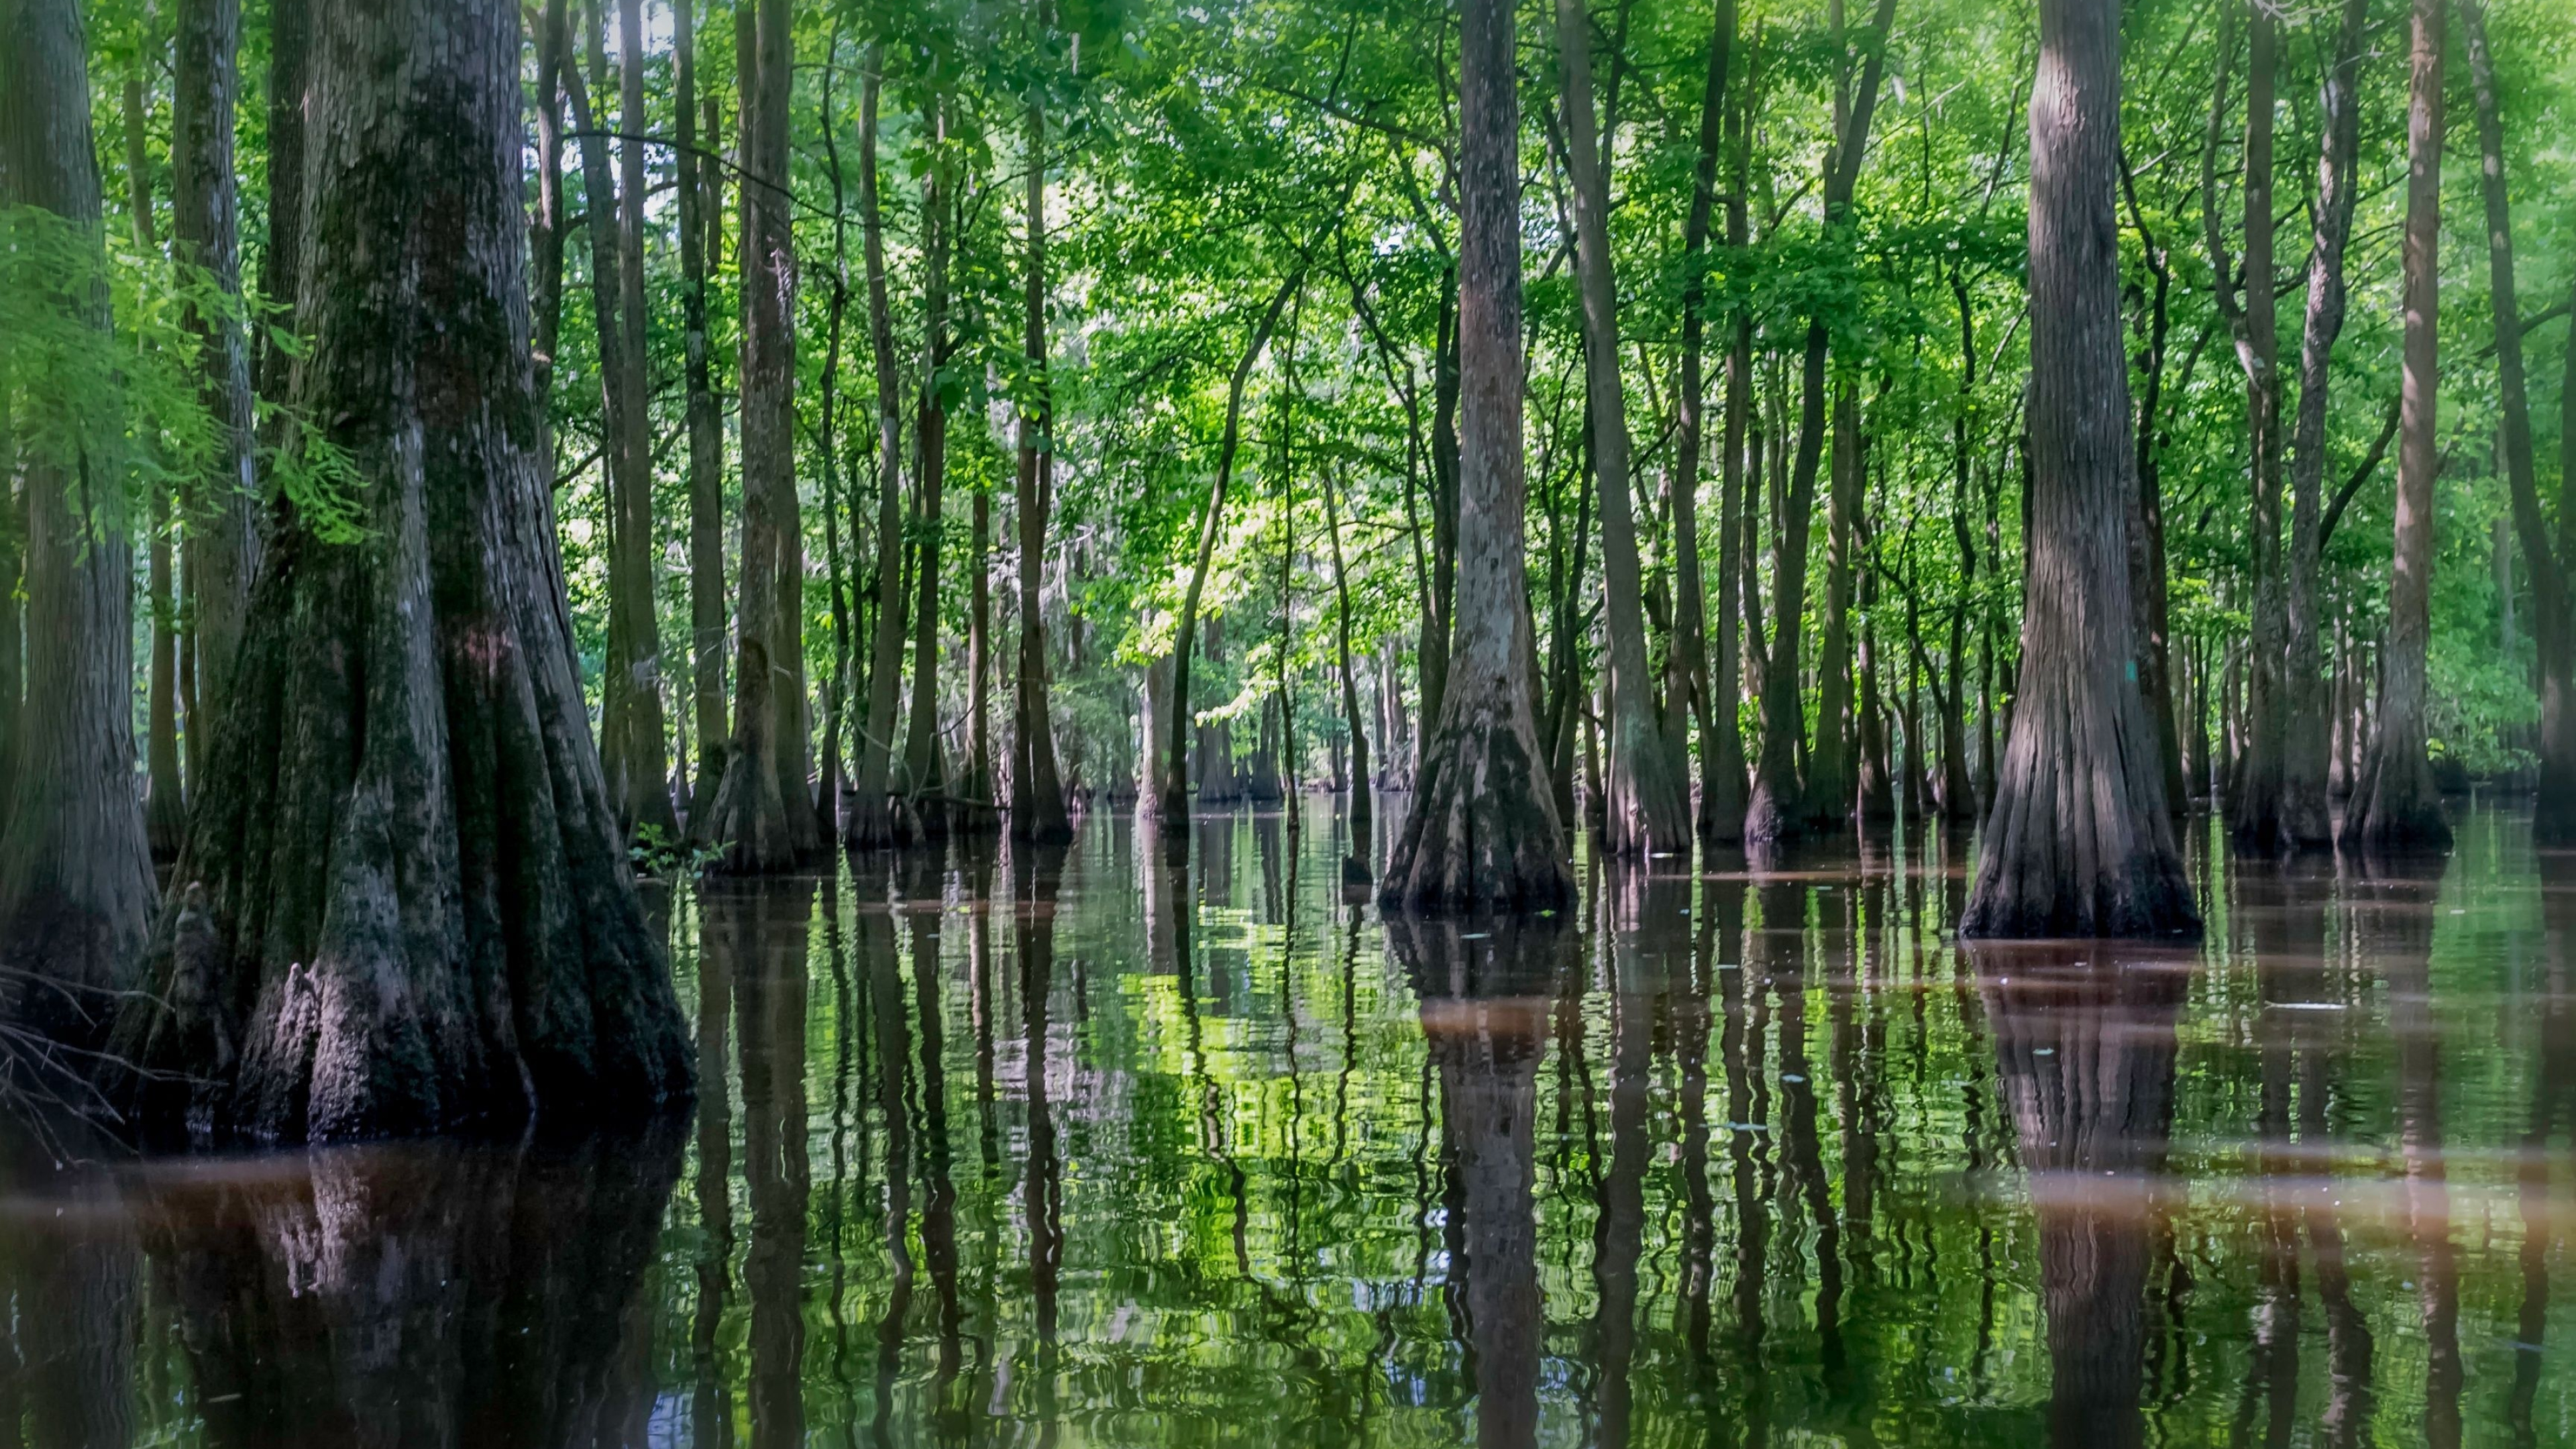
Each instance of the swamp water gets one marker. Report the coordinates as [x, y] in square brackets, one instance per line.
[1092, 1148]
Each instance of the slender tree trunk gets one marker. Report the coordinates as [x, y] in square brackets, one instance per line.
[1357, 866]
[2306, 816]
[764, 810]
[1774, 811]
[872, 819]
[978, 784]
[165, 815]
[545, 229]
[75, 872]
[223, 542]
[2079, 842]
[1712, 697]
[2554, 817]
[1172, 805]
[921, 758]
[1037, 792]
[1483, 832]
[1649, 801]
[2254, 811]
[833, 782]
[2147, 539]
[13, 657]
[706, 433]
[1829, 765]
[407, 903]
[1439, 620]
[2395, 804]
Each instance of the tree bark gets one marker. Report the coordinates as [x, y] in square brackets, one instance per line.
[2554, 814]
[1649, 792]
[764, 809]
[1037, 792]
[1358, 865]
[2306, 814]
[2395, 804]
[545, 229]
[2079, 841]
[205, 227]
[1483, 833]
[873, 820]
[406, 903]
[75, 873]
[706, 436]
[2254, 809]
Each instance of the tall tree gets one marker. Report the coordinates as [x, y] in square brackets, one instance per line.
[2394, 802]
[2079, 841]
[765, 808]
[2304, 809]
[75, 875]
[2254, 809]
[1483, 833]
[165, 815]
[205, 225]
[1774, 810]
[1037, 790]
[1648, 789]
[925, 777]
[2546, 559]
[706, 427]
[407, 903]
[872, 819]
[1357, 865]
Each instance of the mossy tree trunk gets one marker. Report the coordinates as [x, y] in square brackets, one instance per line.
[2079, 842]
[405, 902]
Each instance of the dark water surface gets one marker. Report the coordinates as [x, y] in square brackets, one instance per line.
[1092, 1148]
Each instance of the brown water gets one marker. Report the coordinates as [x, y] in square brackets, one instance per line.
[1099, 1149]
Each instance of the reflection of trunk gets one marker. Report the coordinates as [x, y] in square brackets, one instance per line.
[1484, 1010]
[418, 912]
[768, 967]
[69, 1270]
[2394, 803]
[1483, 829]
[2085, 1051]
[75, 876]
[453, 1294]
[2400, 942]
[2079, 841]
[1041, 872]
[1648, 946]
[714, 1185]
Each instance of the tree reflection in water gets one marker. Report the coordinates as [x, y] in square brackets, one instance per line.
[1160, 1140]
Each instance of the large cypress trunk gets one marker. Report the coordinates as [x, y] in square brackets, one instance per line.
[1484, 831]
[1649, 792]
[2305, 815]
[223, 543]
[2079, 841]
[2395, 804]
[2554, 817]
[75, 875]
[764, 810]
[405, 901]
[1037, 792]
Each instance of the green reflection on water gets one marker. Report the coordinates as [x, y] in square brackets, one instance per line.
[1105, 1147]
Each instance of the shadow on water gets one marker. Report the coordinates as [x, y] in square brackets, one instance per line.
[1153, 1140]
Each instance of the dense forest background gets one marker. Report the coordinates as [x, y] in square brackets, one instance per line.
[1165, 297]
